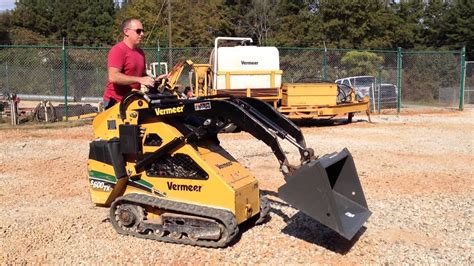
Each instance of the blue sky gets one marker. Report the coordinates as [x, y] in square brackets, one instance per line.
[7, 4]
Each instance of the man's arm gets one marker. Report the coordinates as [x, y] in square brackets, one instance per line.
[115, 76]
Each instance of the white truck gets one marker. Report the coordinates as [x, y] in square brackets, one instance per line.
[384, 94]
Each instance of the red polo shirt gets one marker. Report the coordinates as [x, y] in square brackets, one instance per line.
[131, 62]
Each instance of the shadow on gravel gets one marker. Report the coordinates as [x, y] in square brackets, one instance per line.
[326, 122]
[306, 228]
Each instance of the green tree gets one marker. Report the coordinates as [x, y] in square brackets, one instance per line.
[150, 12]
[361, 63]
[356, 23]
[34, 15]
[433, 18]
[237, 9]
[409, 33]
[94, 25]
[193, 22]
[19, 35]
[80, 21]
[458, 27]
[275, 22]
[260, 20]
[199, 22]
[297, 25]
[5, 26]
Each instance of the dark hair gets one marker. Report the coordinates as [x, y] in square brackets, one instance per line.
[126, 23]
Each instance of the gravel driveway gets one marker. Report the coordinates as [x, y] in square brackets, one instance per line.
[416, 171]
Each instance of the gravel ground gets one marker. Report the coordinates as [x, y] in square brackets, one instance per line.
[416, 171]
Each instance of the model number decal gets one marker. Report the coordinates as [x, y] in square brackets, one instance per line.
[101, 185]
[224, 165]
[202, 106]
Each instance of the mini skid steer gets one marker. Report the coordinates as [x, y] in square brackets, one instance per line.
[157, 164]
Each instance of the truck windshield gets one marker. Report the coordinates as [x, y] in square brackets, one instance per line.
[367, 81]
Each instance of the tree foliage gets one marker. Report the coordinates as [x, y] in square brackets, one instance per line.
[192, 26]
[5, 25]
[434, 24]
[361, 63]
[458, 27]
[79, 21]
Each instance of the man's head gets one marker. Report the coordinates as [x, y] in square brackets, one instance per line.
[132, 30]
[188, 92]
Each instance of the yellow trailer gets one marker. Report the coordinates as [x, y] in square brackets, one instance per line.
[294, 100]
[318, 100]
[251, 71]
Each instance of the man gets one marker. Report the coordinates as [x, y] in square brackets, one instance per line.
[188, 93]
[126, 64]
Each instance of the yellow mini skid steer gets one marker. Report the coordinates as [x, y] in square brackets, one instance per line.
[157, 163]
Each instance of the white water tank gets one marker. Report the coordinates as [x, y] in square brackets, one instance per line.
[248, 59]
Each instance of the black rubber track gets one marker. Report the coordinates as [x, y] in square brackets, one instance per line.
[224, 217]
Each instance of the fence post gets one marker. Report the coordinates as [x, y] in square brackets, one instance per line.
[325, 64]
[463, 78]
[399, 78]
[65, 79]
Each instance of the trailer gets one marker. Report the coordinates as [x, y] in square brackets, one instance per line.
[244, 70]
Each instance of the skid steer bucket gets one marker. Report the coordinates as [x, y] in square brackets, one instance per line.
[328, 190]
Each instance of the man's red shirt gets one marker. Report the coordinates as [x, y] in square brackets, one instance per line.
[131, 62]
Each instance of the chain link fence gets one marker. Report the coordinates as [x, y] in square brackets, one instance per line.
[31, 70]
[431, 79]
[401, 78]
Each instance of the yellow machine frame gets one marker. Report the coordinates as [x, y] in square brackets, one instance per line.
[237, 187]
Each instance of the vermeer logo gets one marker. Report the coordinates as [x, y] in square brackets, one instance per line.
[169, 111]
[172, 186]
[248, 62]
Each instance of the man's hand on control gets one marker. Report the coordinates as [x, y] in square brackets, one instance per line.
[162, 76]
[146, 81]
[162, 79]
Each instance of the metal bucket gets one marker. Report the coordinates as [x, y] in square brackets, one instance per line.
[328, 190]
